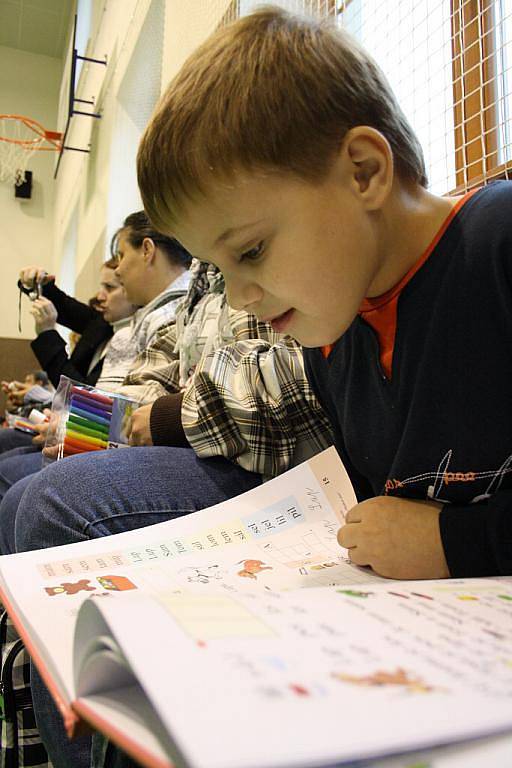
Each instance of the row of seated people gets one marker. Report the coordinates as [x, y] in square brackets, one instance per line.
[129, 308]
[181, 360]
[35, 391]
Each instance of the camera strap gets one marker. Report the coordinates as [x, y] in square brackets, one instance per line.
[32, 293]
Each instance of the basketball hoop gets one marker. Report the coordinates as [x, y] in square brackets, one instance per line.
[20, 137]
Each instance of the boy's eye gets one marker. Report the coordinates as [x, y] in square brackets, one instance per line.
[253, 253]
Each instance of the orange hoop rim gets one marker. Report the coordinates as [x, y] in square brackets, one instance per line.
[54, 138]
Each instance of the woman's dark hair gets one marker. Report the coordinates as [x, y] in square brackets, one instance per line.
[137, 227]
[113, 262]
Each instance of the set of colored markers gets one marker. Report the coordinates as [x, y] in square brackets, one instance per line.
[88, 424]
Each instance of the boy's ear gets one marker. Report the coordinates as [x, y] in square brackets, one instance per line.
[370, 165]
[148, 250]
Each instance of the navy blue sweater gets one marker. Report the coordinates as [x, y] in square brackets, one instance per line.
[441, 427]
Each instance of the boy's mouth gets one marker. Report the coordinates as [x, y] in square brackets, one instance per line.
[280, 322]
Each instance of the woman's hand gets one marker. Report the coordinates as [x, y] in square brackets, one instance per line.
[42, 431]
[45, 314]
[140, 432]
[31, 276]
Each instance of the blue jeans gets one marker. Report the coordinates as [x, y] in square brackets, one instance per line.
[16, 464]
[13, 438]
[99, 494]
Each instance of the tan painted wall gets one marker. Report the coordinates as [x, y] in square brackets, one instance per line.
[29, 85]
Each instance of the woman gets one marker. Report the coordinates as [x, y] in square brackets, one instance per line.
[95, 326]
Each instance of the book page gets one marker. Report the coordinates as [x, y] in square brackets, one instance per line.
[280, 535]
[127, 711]
[315, 677]
[492, 752]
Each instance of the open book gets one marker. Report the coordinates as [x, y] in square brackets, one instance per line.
[196, 642]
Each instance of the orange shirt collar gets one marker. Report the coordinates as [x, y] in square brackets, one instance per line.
[376, 302]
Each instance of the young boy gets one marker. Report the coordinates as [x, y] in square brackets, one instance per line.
[280, 154]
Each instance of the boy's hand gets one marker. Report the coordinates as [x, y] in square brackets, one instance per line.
[45, 315]
[398, 538]
[140, 433]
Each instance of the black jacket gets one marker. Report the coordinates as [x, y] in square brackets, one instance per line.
[50, 348]
[441, 427]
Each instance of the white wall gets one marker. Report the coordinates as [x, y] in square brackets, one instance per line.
[138, 93]
[187, 24]
[145, 41]
[29, 85]
[84, 181]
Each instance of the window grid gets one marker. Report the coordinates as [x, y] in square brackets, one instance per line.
[450, 65]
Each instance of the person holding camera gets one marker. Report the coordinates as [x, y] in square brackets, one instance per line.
[143, 281]
[49, 306]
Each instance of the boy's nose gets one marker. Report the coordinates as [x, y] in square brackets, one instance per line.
[242, 295]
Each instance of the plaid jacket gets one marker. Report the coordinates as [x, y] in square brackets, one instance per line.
[138, 332]
[20, 743]
[246, 396]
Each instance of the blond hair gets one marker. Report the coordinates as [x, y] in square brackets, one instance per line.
[270, 90]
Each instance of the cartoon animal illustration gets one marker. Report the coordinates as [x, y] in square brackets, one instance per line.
[116, 583]
[252, 568]
[202, 575]
[380, 678]
[70, 588]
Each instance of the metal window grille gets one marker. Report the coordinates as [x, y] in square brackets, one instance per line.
[449, 63]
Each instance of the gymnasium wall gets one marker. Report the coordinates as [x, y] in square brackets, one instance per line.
[95, 191]
[145, 42]
[29, 85]
[68, 225]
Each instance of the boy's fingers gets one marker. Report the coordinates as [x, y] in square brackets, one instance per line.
[348, 536]
[358, 557]
[353, 515]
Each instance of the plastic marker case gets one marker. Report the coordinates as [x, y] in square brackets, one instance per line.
[86, 419]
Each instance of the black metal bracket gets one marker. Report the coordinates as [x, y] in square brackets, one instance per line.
[72, 100]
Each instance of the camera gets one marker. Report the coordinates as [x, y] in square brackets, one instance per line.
[33, 293]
